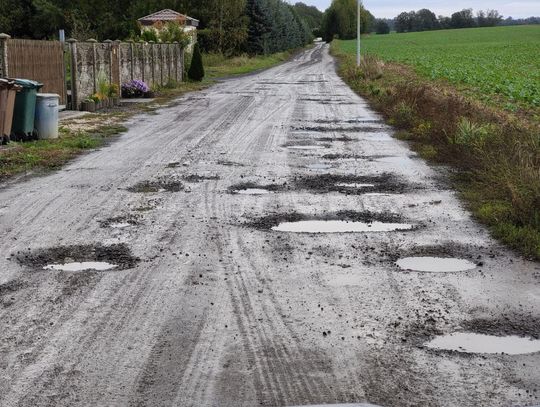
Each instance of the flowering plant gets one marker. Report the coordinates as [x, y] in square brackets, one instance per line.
[134, 88]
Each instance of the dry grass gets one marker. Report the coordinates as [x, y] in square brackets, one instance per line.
[497, 153]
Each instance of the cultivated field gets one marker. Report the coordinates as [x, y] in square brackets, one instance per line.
[501, 61]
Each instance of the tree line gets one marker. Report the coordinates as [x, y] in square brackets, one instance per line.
[228, 26]
[425, 20]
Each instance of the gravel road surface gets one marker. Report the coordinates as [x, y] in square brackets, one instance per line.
[207, 305]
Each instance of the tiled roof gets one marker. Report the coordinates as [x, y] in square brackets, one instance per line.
[165, 15]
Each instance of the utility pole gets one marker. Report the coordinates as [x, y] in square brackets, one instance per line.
[358, 34]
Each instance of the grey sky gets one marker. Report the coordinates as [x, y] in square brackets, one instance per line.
[391, 8]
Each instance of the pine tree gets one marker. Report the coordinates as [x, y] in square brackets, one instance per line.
[196, 70]
[259, 26]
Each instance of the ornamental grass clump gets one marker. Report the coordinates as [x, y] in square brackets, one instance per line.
[134, 89]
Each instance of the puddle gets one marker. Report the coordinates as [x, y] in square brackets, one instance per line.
[354, 185]
[435, 264]
[83, 266]
[319, 166]
[465, 342]
[308, 147]
[252, 191]
[339, 226]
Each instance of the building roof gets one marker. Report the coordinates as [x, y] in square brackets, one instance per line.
[167, 15]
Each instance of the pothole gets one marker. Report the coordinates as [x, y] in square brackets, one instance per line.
[339, 226]
[120, 222]
[81, 266]
[339, 222]
[159, 185]
[78, 258]
[341, 129]
[194, 178]
[228, 163]
[351, 184]
[435, 264]
[318, 166]
[306, 147]
[354, 185]
[467, 342]
[250, 188]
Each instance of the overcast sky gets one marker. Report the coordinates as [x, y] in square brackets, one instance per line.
[391, 8]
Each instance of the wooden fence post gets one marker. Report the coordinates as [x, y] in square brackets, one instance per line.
[153, 66]
[4, 71]
[74, 83]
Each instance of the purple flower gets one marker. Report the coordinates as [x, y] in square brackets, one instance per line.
[134, 88]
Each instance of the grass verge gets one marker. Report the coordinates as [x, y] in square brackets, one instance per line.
[94, 130]
[496, 153]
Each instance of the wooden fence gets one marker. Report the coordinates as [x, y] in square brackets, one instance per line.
[42, 61]
[119, 62]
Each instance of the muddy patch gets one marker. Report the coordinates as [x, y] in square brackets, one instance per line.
[79, 258]
[336, 222]
[160, 185]
[195, 178]
[351, 184]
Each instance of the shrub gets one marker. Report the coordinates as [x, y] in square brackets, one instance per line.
[403, 115]
[196, 69]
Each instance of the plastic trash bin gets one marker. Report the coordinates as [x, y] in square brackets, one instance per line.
[8, 91]
[25, 110]
[46, 120]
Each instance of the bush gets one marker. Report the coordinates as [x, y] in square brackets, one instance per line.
[196, 70]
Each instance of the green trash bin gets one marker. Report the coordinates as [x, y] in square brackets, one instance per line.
[25, 109]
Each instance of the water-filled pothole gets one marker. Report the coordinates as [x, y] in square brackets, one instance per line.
[339, 226]
[251, 188]
[81, 266]
[351, 184]
[120, 222]
[156, 186]
[466, 342]
[80, 257]
[306, 147]
[252, 191]
[354, 185]
[435, 264]
[194, 178]
[337, 222]
[319, 166]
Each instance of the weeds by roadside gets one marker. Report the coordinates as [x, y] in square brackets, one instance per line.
[497, 154]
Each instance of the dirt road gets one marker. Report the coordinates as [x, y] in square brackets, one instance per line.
[208, 305]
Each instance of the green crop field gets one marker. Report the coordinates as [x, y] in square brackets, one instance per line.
[502, 61]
